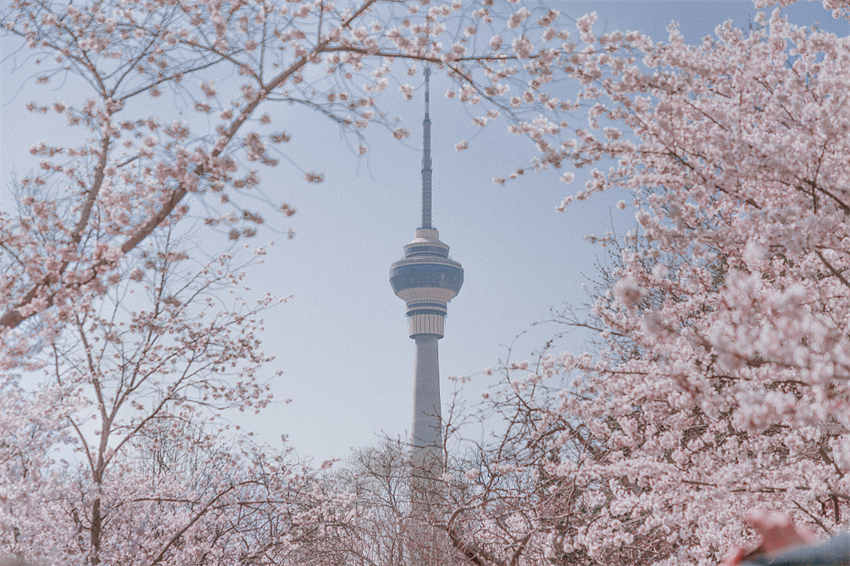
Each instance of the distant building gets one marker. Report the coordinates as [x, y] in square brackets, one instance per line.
[426, 279]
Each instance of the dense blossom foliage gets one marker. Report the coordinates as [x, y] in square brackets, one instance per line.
[720, 383]
[121, 361]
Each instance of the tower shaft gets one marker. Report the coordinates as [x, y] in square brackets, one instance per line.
[427, 436]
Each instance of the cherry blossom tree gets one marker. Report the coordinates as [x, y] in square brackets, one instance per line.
[119, 362]
[128, 456]
[720, 383]
[384, 523]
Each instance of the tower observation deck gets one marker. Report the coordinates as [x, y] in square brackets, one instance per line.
[426, 278]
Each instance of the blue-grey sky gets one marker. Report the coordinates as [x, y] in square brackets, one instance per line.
[342, 340]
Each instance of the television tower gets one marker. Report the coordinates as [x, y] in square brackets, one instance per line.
[426, 279]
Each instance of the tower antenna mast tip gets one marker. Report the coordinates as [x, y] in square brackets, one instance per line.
[426, 154]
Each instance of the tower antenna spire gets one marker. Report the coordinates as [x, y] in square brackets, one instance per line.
[426, 153]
